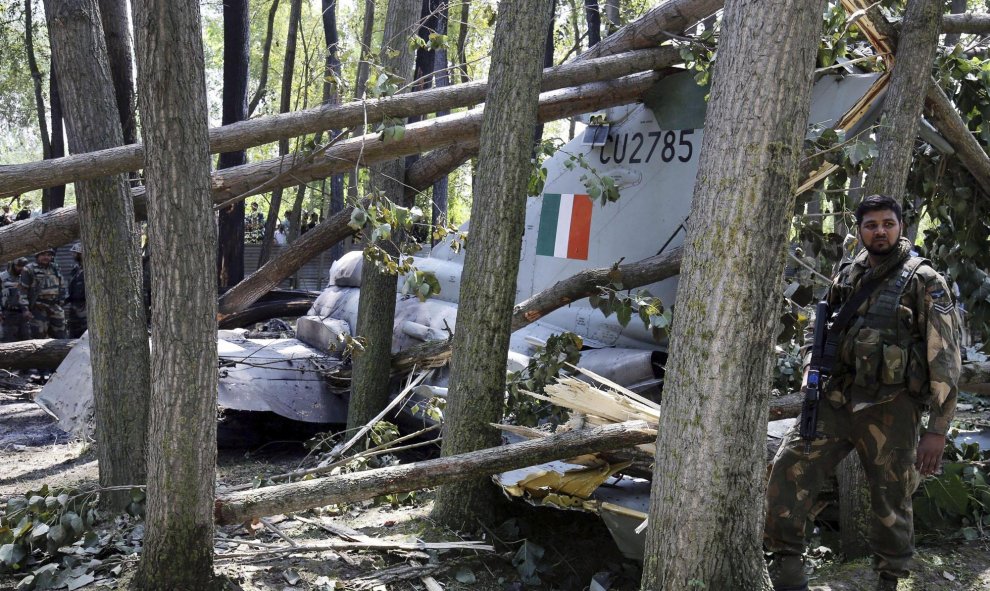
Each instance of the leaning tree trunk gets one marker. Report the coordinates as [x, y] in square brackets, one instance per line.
[266, 53]
[888, 175]
[178, 543]
[120, 47]
[284, 105]
[39, 98]
[441, 79]
[476, 396]
[56, 194]
[376, 305]
[119, 338]
[331, 73]
[462, 31]
[236, 55]
[706, 512]
[367, 33]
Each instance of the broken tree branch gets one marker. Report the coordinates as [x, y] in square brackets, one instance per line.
[673, 16]
[18, 178]
[242, 506]
[943, 115]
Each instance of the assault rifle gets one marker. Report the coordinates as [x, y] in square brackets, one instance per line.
[823, 350]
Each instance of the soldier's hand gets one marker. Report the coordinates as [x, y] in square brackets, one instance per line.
[930, 453]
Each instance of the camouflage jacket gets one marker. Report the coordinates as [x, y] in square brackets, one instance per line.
[10, 296]
[926, 317]
[42, 284]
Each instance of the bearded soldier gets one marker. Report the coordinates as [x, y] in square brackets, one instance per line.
[897, 356]
[41, 287]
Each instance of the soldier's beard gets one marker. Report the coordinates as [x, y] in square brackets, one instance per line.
[878, 251]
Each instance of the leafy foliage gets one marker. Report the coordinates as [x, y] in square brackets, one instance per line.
[957, 502]
[543, 369]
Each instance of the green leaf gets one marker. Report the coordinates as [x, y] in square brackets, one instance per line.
[12, 554]
[358, 219]
[624, 313]
[465, 575]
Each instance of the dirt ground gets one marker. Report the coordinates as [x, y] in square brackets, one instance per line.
[564, 550]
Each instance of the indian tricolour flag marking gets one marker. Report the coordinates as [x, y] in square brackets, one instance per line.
[565, 226]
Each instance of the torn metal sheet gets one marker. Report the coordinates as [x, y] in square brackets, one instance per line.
[283, 376]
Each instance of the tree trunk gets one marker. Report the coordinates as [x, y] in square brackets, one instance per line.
[895, 146]
[956, 7]
[35, 353]
[367, 33]
[461, 129]
[243, 506]
[611, 16]
[904, 103]
[332, 72]
[709, 530]
[593, 16]
[19, 178]
[438, 205]
[548, 47]
[376, 304]
[117, 323]
[265, 57]
[673, 16]
[284, 105]
[39, 99]
[462, 31]
[120, 47]
[236, 56]
[178, 543]
[56, 193]
[476, 395]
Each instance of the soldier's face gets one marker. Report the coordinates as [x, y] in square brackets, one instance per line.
[44, 258]
[879, 231]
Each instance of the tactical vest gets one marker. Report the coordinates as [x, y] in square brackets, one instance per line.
[47, 284]
[882, 352]
[11, 286]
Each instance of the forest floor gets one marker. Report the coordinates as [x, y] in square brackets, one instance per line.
[533, 548]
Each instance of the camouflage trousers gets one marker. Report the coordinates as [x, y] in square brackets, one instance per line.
[886, 438]
[48, 321]
[15, 326]
[75, 320]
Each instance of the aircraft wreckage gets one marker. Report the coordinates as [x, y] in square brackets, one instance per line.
[651, 152]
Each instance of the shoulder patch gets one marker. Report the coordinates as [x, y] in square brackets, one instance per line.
[942, 307]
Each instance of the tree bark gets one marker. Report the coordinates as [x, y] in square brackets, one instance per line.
[236, 56]
[39, 99]
[611, 16]
[716, 392]
[19, 178]
[284, 106]
[903, 104]
[61, 226]
[361, 82]
[481, 344]
[178, 544]
[673, 16]
[119, 339]
[376, 303]
[56, 194]
[347, 488]
[120, 46]
[331, 97]
[265, 57]
[438, 205]
[971, 23]
[888, 175]
[462, 31]
[593, 16]
[35, 353]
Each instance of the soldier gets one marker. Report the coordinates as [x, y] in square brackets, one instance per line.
[898, 356]
[13, 308]
[41, 288]
[75, 301]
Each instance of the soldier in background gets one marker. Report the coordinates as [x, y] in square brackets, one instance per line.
[13, 308]
[75, 301]
[41, 288]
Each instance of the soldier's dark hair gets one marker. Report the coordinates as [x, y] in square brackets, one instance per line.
[877, 203]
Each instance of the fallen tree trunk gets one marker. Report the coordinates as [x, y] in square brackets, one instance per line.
[943, 115]
[262, 311]
[19, 178]
[971, 23]
[61, 226]
[671, 17]
[43, 354]
[346, 488]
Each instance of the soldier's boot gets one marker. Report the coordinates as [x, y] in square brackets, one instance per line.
[885, 583]
[787, 573]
